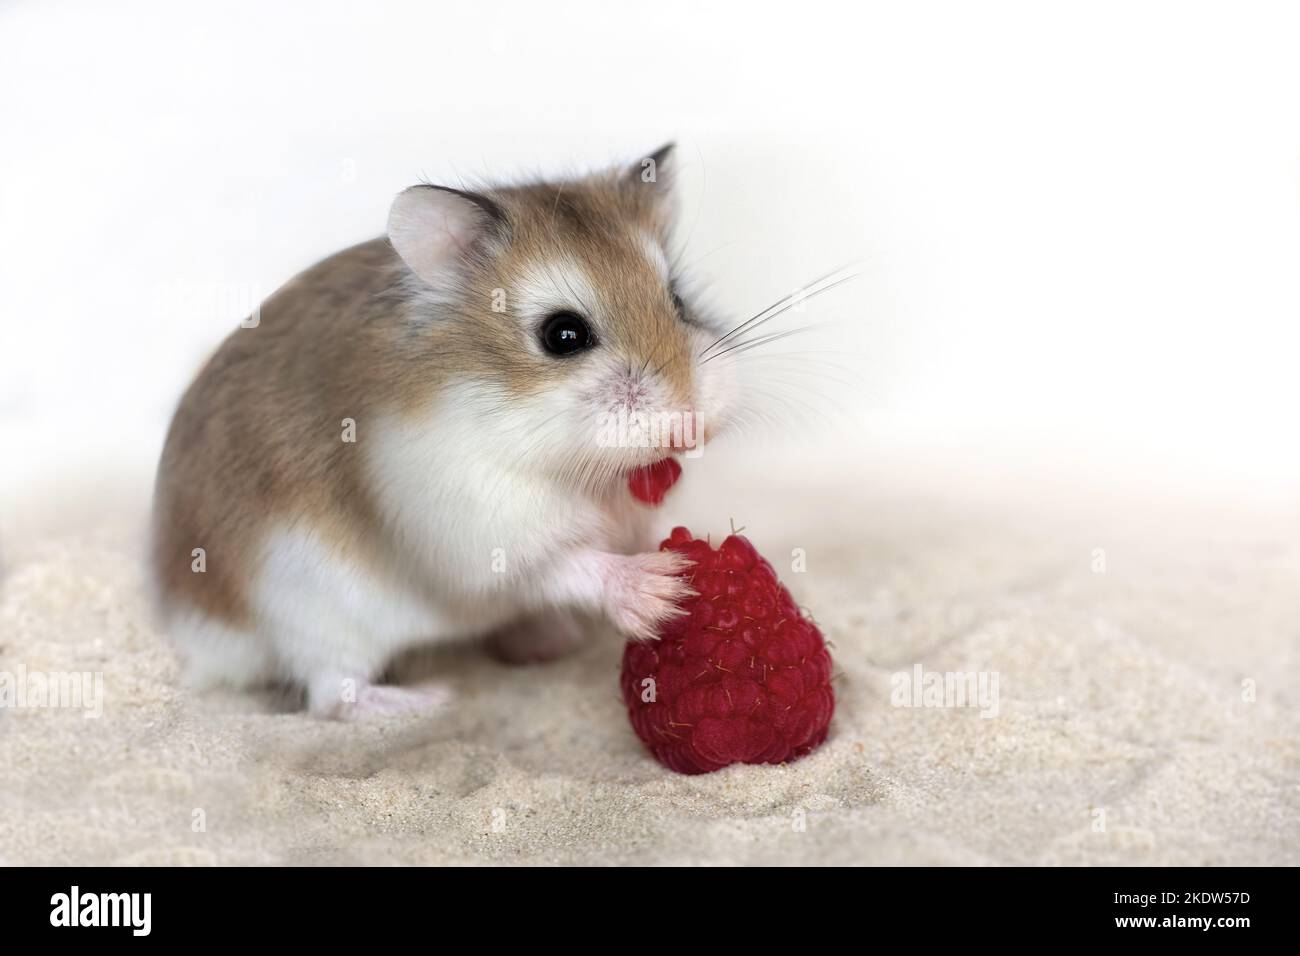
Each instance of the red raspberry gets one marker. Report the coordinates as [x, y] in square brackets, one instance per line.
[741, 677]
[650, 483]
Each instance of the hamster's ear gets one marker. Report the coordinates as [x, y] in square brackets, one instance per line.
[652, 179]
[434, 228]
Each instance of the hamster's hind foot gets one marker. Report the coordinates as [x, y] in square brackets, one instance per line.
[539, 637]
[357, 700]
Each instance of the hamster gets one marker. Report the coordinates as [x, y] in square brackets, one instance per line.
[411, 443]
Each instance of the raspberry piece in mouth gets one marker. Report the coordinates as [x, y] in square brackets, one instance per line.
[650, 483]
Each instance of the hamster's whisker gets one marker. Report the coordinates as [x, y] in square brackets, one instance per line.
[809, 291]
[797, 300]
[555, 206]
[812, 357]
[659, 347]
[745, 345]
[779, 409]
[679, 256]
[811, 368]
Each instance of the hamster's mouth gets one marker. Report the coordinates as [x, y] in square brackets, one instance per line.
[650, 483]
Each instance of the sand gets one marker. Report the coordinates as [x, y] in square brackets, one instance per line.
[1147, 707]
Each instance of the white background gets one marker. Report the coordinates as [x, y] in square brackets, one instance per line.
[1077, 224]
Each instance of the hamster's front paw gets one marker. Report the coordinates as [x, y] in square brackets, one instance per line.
[642, 591]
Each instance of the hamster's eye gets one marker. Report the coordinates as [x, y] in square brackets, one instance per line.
[565, 333]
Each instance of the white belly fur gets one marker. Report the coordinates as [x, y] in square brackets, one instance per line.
[471, 537]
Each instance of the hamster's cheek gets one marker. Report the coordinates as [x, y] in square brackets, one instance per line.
[718, 393]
